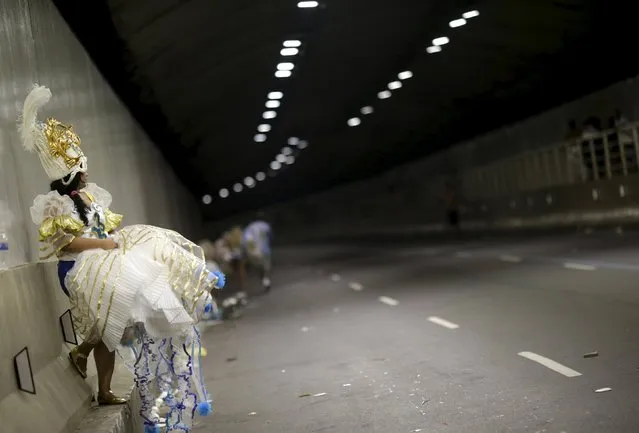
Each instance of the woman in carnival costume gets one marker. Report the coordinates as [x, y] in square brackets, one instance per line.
[138, 286]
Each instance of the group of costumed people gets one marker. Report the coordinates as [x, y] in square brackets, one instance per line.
[235, 253]
[136, 290]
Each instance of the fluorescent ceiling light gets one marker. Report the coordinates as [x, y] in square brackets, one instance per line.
[224, 193]
[207, 199]
[287, 151]
[259, 138]
[471, 14]
[275, 95]
[366, 110]
[264, 127]
[405, 75]
[384, 94]
[292, 43]
[302, 145]
[441, 41]
[269, 115]
[457, 23]
[433, 49]
[289, 51]
[293, 141]
[394, 85]
[354, 121]
[285, 66]
[272, 104]
[280, 158]
[283, 74]
[260, 176]
[307, 4]
[275, 165]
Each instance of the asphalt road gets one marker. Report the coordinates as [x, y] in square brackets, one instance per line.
[478, 336]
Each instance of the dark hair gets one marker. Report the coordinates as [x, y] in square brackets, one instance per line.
[63, 189]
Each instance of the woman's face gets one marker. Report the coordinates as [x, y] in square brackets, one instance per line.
[83, 180]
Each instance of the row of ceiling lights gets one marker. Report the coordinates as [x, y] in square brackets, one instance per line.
[284, 69]
[436, 47]
[285, 157]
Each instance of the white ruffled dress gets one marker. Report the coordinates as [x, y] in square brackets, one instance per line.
[155, 276]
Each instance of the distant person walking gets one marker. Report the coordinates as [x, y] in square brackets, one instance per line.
[452, 206]
[256, 243]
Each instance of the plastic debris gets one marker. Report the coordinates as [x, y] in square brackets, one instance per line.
[591, 355]
[603, 390]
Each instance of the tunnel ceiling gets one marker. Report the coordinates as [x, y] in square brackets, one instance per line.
[197, 73]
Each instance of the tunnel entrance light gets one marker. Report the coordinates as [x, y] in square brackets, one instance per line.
[283, 74]
[470, 14]
[207, 199]
[394, 85]
[275, 95]
[302, 144]
[259, 138]
[366, 110]
[293, 141]
[272, 104]
[280, 158]
[287, 151]
[264, 127]
[269, 115]
[384, 94]
[290, 160]
[433, 49]
[238, 187]
[260, 176]
[249, 181]
[224, 193]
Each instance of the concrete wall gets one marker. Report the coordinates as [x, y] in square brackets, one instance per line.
[408, 195]
[36, 45]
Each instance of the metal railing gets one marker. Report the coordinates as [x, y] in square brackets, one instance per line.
[604, 155]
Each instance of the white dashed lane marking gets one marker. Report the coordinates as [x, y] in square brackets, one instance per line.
[510, 259]
[549, 363]
[356, 286]
[579, 267]
[443, 322]
[388, 301]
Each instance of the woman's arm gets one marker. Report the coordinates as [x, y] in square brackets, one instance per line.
[82, 244]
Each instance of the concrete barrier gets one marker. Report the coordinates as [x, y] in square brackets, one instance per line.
[31, 303]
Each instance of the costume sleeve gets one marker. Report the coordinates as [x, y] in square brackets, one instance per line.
[57, 226]
[104, 199]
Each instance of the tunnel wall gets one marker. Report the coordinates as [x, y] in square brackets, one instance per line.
[520, 175]
[38, 47]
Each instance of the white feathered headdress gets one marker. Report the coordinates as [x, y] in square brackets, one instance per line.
[55, 143]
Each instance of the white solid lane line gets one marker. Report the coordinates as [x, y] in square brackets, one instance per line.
[389, 301]
[510, 259]
[549, 363]
[443, 322]
[579, 267]
[356, 286]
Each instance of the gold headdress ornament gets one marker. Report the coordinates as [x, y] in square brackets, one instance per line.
[55, 143]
